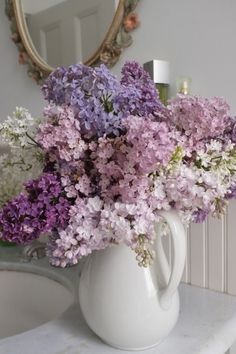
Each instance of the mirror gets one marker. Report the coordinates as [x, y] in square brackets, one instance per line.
[52, 33]
[67, 31]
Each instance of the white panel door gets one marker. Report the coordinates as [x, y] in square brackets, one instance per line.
[211, 253]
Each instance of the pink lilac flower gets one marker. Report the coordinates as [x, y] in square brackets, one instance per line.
[151, 143]
[60, 135]
[199, 118]
[123, 163]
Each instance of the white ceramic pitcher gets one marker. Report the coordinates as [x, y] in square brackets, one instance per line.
[128, 306]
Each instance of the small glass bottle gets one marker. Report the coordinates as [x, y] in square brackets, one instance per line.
[163, 90]
[183, 85]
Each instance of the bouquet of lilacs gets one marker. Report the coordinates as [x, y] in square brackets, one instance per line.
[112, 156]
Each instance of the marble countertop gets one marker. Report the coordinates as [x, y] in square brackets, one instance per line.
[207, 325]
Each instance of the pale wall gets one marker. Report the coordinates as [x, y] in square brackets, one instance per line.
[196, 36]
[16, 88]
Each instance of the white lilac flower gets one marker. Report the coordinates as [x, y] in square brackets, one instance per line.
[214, 145]
[16, 167]
[16, 130]
[23, 159]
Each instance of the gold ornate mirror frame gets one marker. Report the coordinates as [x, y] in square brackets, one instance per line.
[117, 38]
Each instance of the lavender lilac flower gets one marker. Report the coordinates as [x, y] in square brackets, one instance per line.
[99, 101]
[139, 95]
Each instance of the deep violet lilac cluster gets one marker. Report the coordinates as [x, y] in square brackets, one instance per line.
[113, 157]
[99, 101]
[138, 95]
[42, 209]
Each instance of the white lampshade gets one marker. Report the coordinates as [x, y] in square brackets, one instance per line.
[159, 71]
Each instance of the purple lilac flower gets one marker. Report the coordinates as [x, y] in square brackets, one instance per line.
[151, 144]
[100, 102]
[77, 83]
[17, 224]
[47, 193]
[42, 209]
[231, 194]
[139, 95]
[233, 131]
[200, 216]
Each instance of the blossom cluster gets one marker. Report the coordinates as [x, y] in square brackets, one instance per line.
[21, 160]
[199, 118]
[113, 156]
[43, 208]
[99, 101]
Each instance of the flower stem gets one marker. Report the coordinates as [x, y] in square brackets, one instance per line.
[32, 139]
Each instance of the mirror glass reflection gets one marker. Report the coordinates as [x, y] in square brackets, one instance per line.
[65, 32]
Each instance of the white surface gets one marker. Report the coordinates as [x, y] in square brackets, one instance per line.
[28, 300]
[207, 325]
[143, 301]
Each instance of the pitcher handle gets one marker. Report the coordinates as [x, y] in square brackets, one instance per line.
[179, 246]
